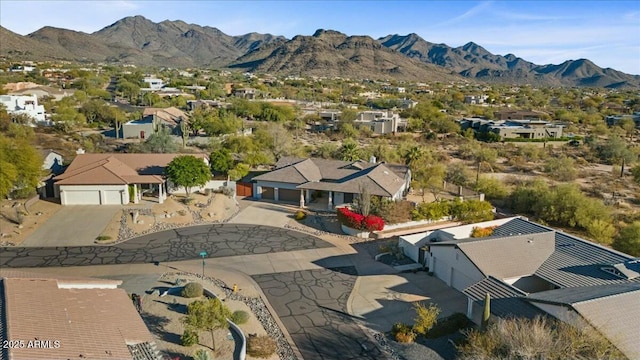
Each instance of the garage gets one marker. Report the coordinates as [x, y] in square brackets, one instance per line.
[267, 193]
[112, 197]
[459, 280]
[289, 195]
[81, 197]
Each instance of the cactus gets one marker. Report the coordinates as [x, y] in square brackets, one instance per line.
[486, 314]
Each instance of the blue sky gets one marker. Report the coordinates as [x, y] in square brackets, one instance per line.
[544, 32]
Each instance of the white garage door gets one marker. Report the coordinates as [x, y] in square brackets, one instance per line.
[112, 197]
[78, 197]
[460, 281]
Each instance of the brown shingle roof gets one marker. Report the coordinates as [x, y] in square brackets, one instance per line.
[89, 323]
[116, 169]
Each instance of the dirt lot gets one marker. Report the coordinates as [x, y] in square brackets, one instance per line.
[173, 212]
[164, 315]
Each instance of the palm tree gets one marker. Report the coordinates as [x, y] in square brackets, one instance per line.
[349, 151]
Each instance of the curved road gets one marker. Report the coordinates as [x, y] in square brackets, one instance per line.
[310, 303]
[218, 240]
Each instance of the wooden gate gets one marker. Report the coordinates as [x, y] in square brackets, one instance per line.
[244, 189]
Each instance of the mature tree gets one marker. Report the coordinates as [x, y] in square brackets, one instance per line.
[257, 158]
[221, 160]
[628, 240]
[160, 142]
[68, 118]
[20, 166]
[188, 171]
[458, 174]
[492, 188]
[207, 315]
[94, 110]
[275, 138]
[239, 171]
[428, 176]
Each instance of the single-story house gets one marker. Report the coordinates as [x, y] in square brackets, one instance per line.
[71, 318]
[530, 270]
[304, 180]
[114, 179]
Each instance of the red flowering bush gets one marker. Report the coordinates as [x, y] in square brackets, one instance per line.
[373, 223]
[358, 221]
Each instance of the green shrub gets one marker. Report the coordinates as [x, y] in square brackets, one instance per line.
[403, 333]
[192, 290]
[300, 215]
[103, 238]
[240, 317]
[189, 338]
[202, 354]
[260, 346]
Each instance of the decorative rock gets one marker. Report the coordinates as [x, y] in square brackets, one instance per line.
[140, 222]
[20, 226]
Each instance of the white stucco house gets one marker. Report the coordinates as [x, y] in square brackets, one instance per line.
[24, 104]
[533, 270]
[114, 179]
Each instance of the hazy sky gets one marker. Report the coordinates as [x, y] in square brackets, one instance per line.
[543, 32]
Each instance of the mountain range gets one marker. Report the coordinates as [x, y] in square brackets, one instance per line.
[139, 41]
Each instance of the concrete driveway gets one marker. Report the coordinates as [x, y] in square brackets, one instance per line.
[77, 225]
[264, 213]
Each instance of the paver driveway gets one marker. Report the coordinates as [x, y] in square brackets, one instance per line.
[312, 305]
[218, 240]
[77, 225]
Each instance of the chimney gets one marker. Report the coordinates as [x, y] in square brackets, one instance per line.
[372, 159]
[80, 151]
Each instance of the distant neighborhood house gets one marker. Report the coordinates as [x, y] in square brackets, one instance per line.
[152, 121]
[514, 129]
[381, 122]
[24, 105]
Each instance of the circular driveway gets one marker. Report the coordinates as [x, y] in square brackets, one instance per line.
[218, 240]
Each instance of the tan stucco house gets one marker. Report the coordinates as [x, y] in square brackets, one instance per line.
[114, 179]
